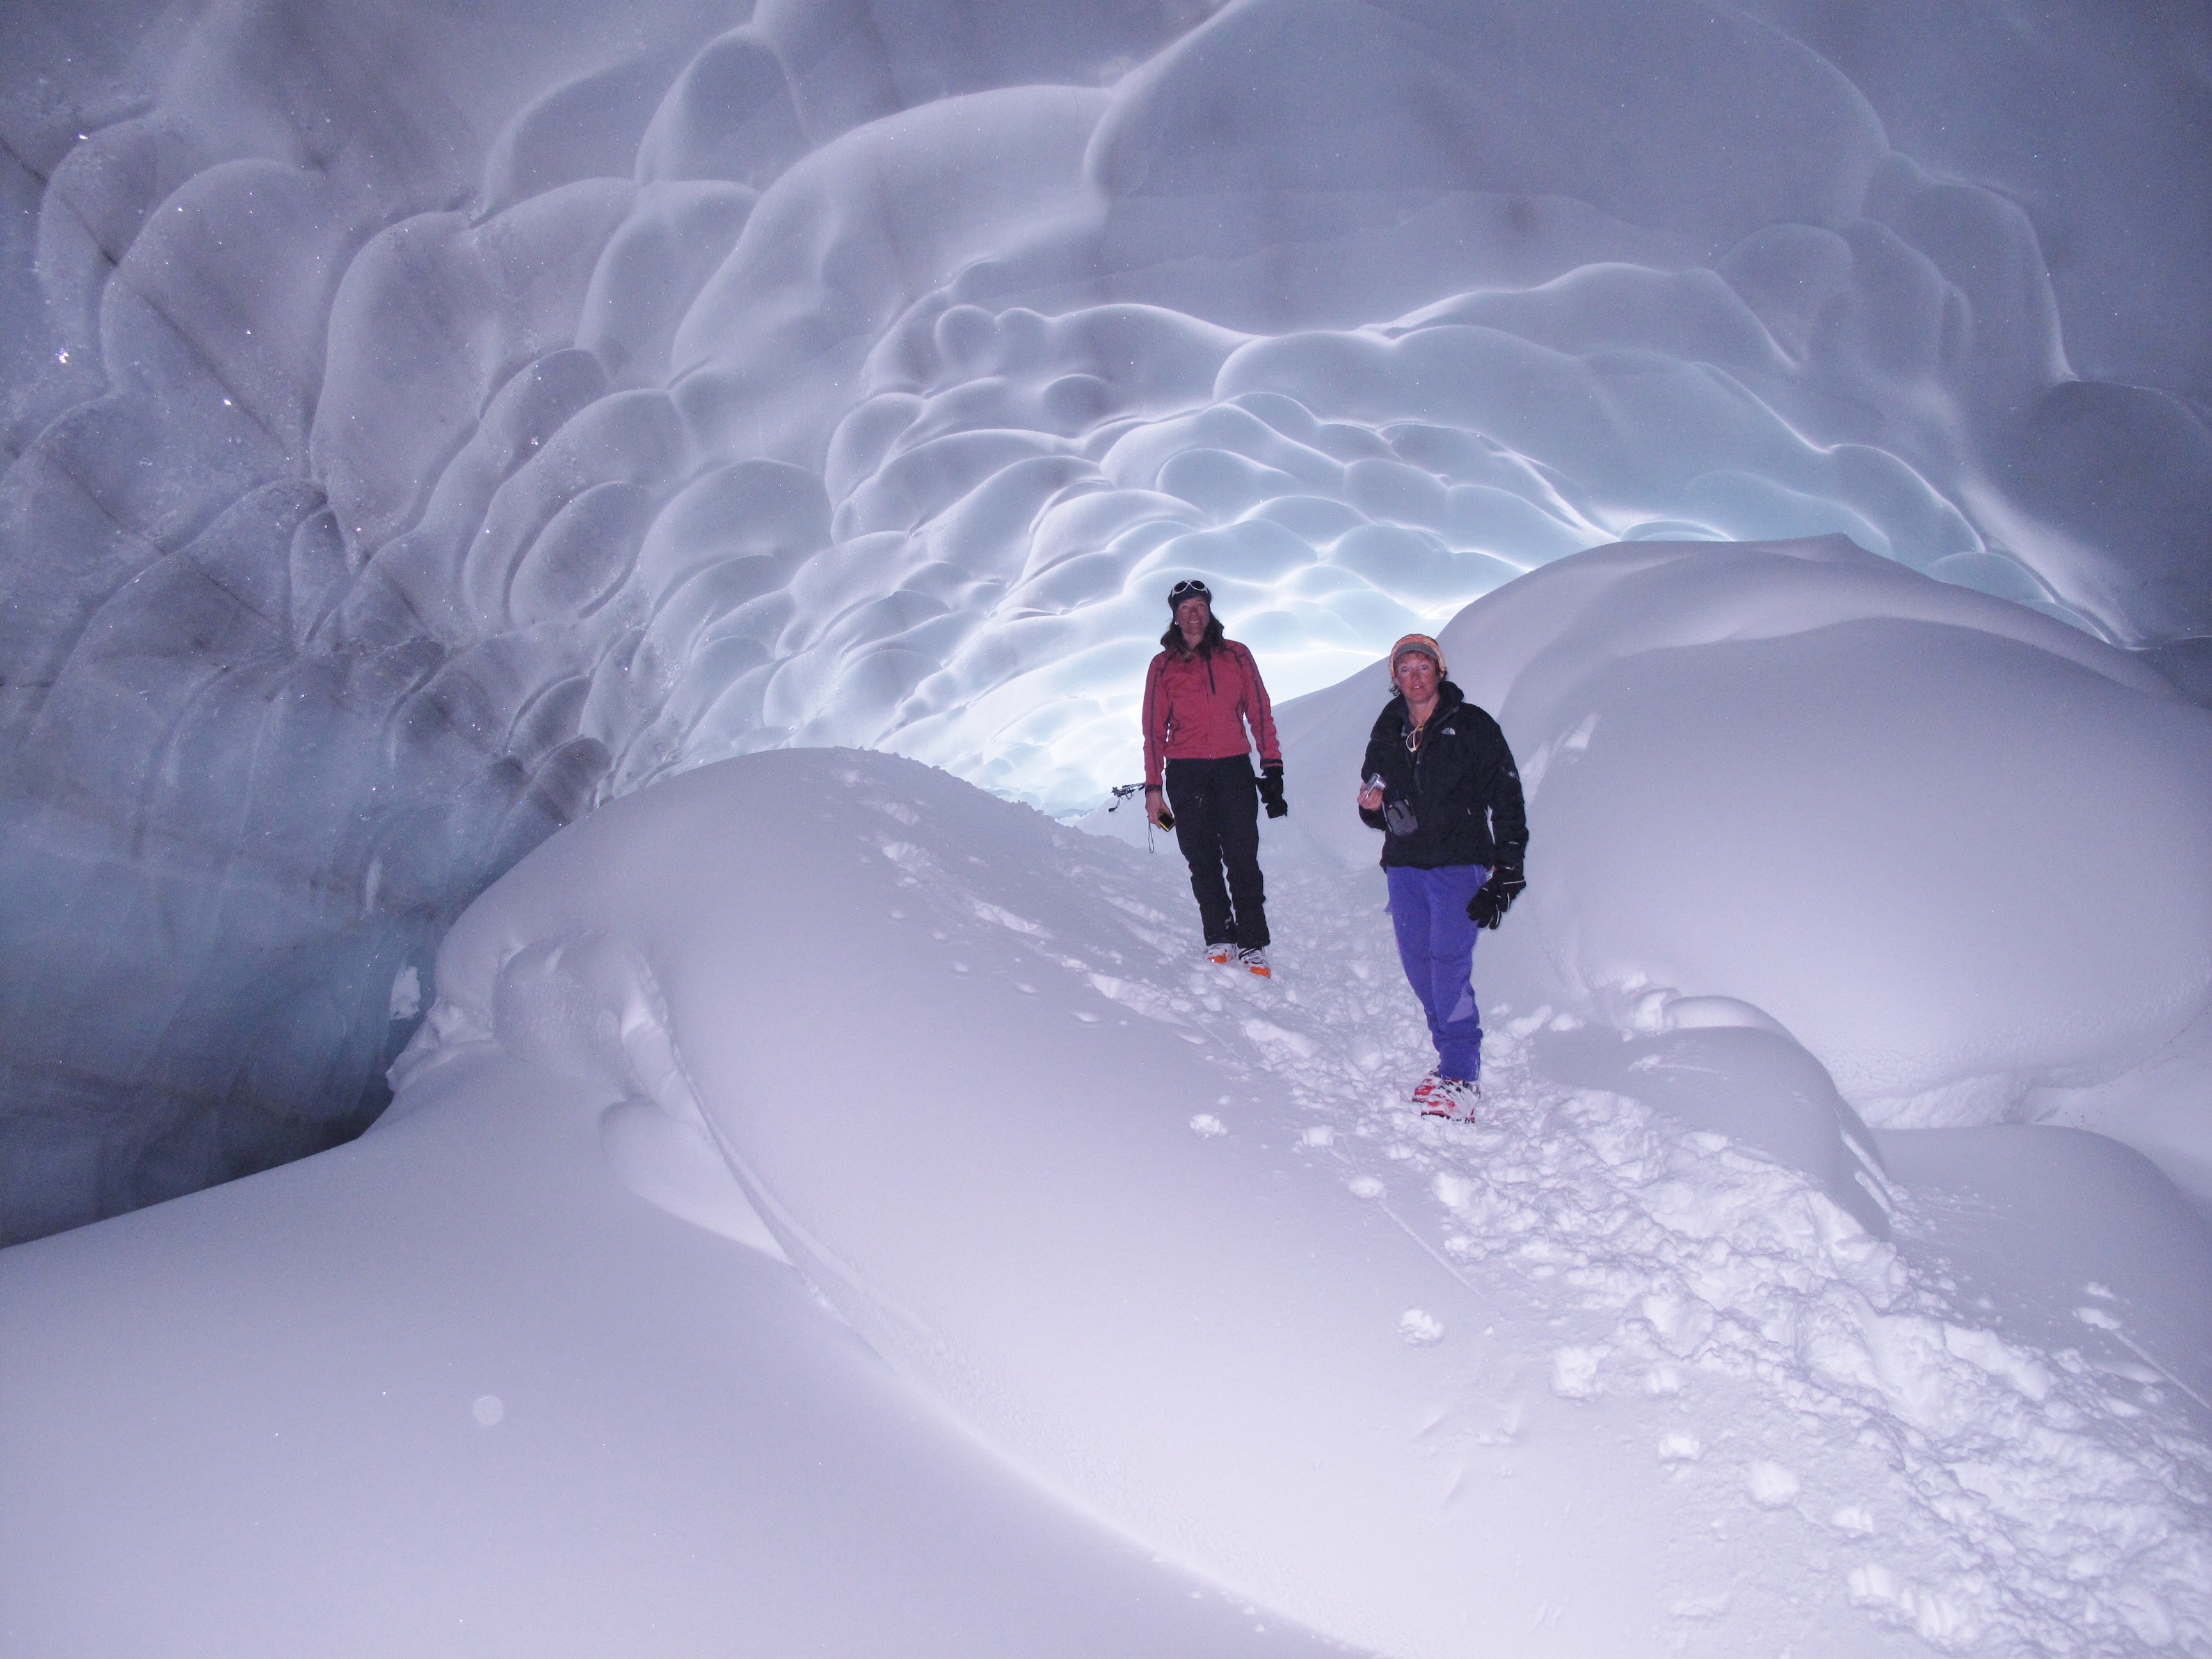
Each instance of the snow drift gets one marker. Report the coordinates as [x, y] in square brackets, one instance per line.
[1953, 847]
[1667, 1347]
[1584, 1377]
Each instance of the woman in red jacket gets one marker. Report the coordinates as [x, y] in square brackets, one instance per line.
[1201, 694]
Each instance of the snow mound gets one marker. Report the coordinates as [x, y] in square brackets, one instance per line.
[1166, 1238]
[1953, 848]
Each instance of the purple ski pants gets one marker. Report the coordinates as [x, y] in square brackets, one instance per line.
[1435, 947]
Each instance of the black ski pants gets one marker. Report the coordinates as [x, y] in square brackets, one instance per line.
[1216, 805]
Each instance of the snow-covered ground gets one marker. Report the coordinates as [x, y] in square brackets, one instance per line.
[830, 1210]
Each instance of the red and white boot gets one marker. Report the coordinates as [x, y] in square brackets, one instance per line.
[1453, 1098]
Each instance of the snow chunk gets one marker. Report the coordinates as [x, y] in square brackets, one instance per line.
[1575, 1373]
[1421, 1329]
[406, 994]
[1771, 1486]
[1934, 1616]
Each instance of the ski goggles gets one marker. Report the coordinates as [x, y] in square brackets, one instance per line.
[1190, 589]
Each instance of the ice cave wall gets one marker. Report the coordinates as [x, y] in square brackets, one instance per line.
[424, 422]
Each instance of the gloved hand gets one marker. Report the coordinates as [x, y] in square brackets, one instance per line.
[1495, 897]
[1271, 790]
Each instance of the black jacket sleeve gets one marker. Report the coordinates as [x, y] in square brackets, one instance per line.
[1501, 789]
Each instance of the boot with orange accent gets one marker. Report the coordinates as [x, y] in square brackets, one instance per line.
[1255, 962]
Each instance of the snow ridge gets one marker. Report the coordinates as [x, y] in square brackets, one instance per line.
[1140, 1222]
[1984, 1496]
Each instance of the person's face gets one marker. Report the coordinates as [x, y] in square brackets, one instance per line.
[1192, 617]
[1416, 674]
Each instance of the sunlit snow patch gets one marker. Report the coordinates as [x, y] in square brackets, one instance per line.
[1455, 1324]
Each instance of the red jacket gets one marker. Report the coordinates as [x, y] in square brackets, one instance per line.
[1196, 707]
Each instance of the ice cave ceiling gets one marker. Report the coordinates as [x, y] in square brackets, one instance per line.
[423, 422]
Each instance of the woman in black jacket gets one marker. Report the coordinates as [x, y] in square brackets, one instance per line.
[1440, 783]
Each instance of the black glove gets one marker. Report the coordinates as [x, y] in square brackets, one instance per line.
[1271, 790]
[1495, 897]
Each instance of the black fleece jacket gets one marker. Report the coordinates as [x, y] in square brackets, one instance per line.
[1460, 781]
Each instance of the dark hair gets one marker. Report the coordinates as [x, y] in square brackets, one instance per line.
[1172, 640]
